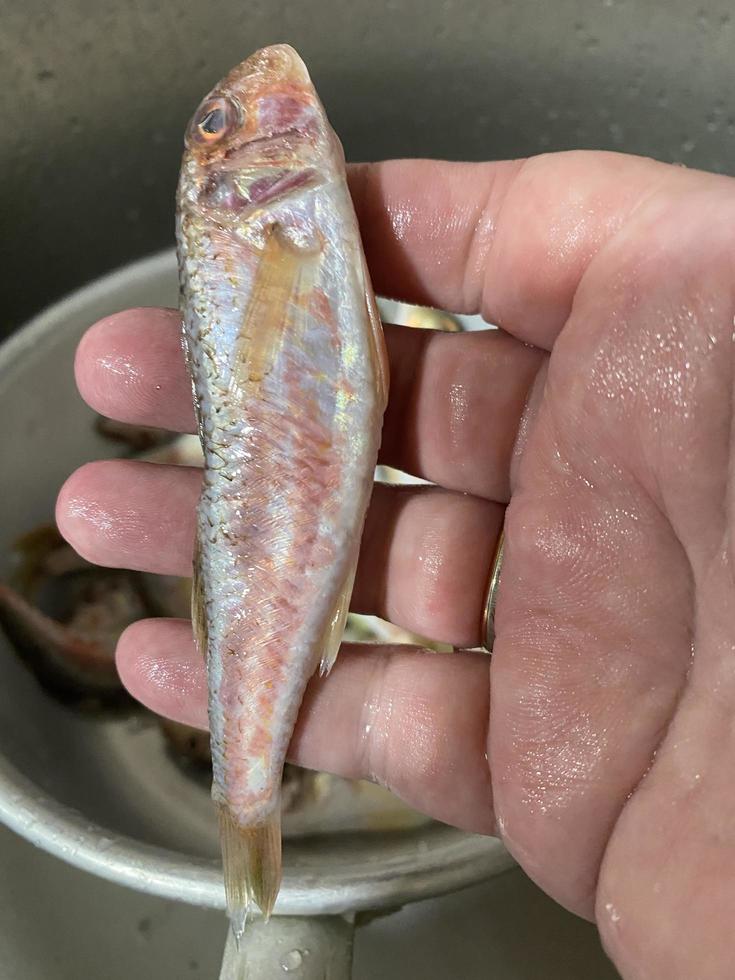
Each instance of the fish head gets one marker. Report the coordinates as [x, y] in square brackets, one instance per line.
[261, 133]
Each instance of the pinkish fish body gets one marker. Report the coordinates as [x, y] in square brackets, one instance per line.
[288, 367]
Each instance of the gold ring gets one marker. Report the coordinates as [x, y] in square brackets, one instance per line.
[488, 614]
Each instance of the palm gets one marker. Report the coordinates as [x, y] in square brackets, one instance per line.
[618, 612]
[619, 547]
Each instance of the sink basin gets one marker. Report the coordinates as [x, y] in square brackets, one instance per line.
[64, 924]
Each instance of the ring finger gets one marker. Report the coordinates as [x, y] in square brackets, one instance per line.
[425, 552]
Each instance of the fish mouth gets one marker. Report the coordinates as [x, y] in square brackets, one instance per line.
[270, 65]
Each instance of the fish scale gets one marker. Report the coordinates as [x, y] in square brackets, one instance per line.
[289, 375]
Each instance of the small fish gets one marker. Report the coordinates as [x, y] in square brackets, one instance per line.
[287, 357]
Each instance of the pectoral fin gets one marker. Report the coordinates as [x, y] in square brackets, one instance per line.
[277, 307]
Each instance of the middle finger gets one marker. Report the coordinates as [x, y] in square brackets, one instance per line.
[424, 559]
[454, 409]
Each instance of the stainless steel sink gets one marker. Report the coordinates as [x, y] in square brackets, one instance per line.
[58, 923]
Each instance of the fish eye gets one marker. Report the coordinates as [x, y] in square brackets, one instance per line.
[215, 118]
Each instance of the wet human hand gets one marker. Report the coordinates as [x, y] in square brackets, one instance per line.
[598, 741]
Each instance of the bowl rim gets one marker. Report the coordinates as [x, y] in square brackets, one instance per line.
[402, 866]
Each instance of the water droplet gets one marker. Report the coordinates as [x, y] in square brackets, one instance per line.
[662, 99]
[613, 912]
[158, 137]
[579, 27]
[132, 215]
[45, 75]
[702, 17]
[687, 146]
[725, 20]
[712, 126]
[552, 113]
[544, 140]
[145, 927]
[292, 960]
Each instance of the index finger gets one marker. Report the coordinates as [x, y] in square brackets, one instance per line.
[510, 240]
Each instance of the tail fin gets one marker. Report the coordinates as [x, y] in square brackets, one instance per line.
[251, 860]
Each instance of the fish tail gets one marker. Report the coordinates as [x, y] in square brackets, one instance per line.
[251, 860]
